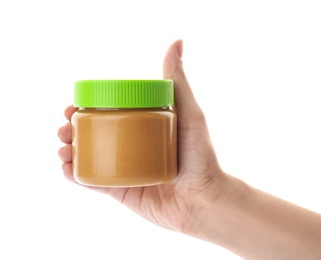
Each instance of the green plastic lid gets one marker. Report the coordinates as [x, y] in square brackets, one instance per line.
[124, 93]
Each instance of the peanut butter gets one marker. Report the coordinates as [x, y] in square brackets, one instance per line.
[115, 145]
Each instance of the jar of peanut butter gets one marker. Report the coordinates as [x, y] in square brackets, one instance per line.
[124, 133]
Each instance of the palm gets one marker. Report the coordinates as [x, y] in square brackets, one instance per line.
[155, 203]
[167, 205]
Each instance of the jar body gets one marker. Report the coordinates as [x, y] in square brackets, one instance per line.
[124, 147]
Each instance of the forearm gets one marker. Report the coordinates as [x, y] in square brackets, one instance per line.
[256, 225]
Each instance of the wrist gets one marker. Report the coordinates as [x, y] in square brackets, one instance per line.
[219, 208]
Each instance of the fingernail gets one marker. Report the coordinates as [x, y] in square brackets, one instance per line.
[179, 48]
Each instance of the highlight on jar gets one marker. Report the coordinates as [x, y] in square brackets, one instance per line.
[124, 133]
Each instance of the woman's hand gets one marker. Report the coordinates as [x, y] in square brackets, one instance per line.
[174, 205]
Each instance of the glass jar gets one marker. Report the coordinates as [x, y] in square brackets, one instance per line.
[124, 133]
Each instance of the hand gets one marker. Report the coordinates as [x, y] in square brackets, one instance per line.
[174, 205]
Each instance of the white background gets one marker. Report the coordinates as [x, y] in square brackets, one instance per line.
[255, 69]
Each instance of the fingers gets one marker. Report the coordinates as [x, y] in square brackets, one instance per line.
[185, 101]
[69, 111]
[64, 133]
[65, 153]
[65, 156]
[67, 170]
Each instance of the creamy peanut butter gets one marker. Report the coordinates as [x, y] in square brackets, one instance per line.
[125, 146]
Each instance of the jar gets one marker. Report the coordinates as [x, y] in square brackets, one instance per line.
[124, 133]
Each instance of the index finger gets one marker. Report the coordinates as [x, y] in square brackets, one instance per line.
[69, 111]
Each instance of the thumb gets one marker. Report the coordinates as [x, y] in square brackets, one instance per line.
[185, 102]
[195, 149]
